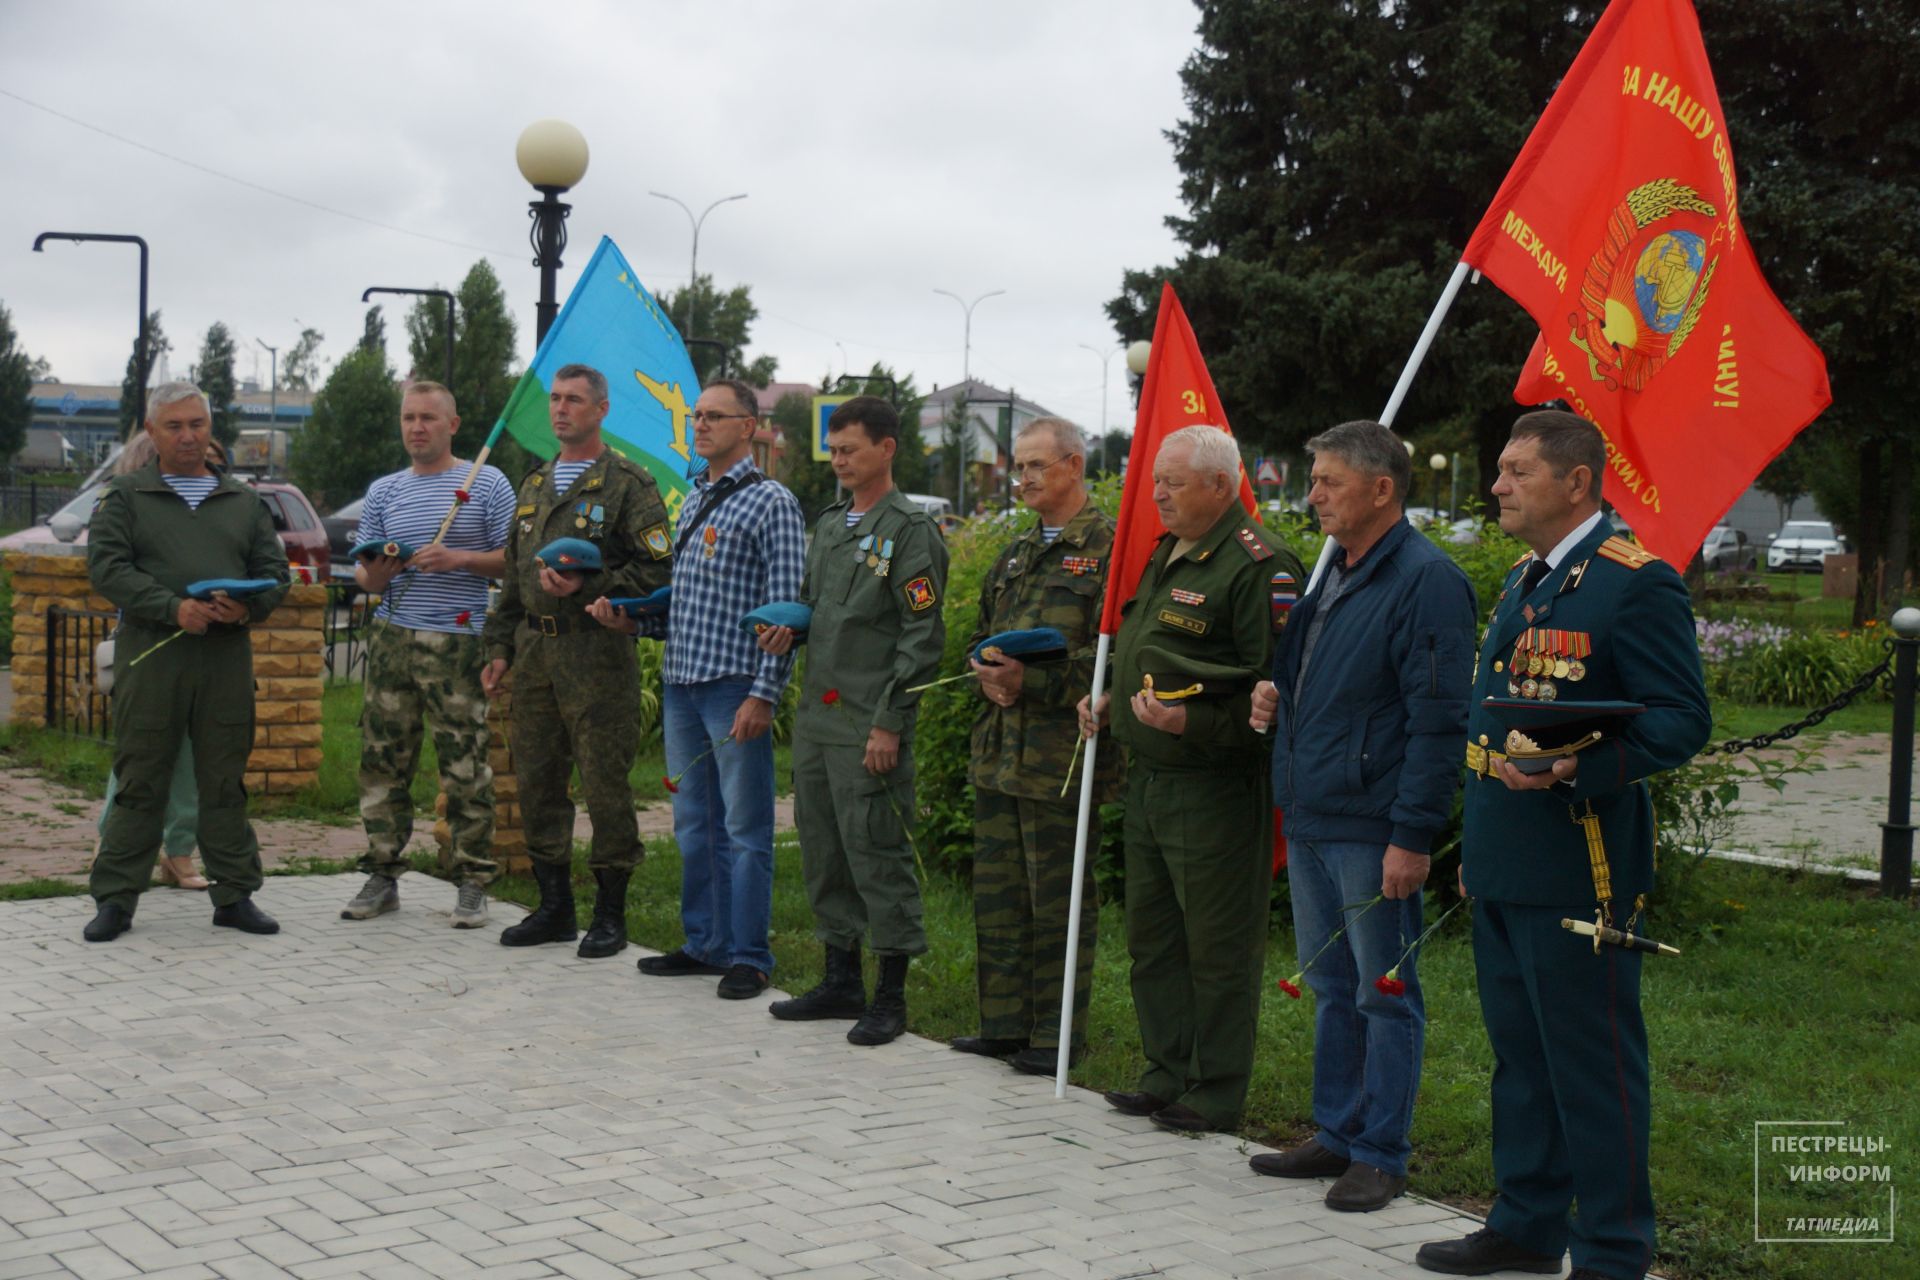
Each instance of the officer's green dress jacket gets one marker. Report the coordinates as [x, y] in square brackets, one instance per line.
[616, 506]
[1633, 611]
[876, 629]
[145, 544]
[1214, 604]
[1024, 750]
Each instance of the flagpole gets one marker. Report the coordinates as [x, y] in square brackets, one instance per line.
[1079, 876]
[1400, 388]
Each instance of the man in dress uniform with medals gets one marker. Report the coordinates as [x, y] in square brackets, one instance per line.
[576, 691]
[1597, 634]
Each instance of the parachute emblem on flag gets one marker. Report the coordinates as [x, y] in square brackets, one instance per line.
[1644, 288]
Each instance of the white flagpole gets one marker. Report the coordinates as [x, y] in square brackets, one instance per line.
[1079, 876]
[1400, 388]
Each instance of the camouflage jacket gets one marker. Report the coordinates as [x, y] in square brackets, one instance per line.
[1024, 750]
[616, 506]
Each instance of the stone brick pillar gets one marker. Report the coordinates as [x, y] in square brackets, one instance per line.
[509, 837]
[39, 583]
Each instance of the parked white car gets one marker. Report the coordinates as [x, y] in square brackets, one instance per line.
[1802, 544]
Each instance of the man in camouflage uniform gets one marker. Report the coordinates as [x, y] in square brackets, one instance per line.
[1023, 748]
[1199, 807]
[424, 654]
[576, 690]
[876, 574]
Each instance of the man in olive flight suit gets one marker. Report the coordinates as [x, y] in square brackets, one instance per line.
[576, 691]
[1586, 618]
[181, 666]
[1025, 816]
[1199, 809]
[876, 577]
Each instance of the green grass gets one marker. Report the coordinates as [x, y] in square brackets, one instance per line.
[29, 889]
[1792, 1001]
[1745, 719]
[1796, 602]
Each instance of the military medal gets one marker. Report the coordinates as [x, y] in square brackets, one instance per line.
[1582, 646]
[1546, 691]
[1513, 689]
[1529, 688]
[860, 551]
[886, 557]
[709, 539]
[579, 522]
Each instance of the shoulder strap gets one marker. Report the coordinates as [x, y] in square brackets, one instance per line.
[725, 488]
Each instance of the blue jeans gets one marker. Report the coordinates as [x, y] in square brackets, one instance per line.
[723, 821]
[1366, 1046]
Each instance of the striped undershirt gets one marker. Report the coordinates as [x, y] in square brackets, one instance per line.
[565, 473]
[853, 518]
[193, 488]
[405, 507]
[1048, 532]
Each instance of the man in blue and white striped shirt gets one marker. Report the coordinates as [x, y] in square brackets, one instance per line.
[425, 654]
[741, 544]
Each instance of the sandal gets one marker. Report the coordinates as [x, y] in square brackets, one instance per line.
[179, 872]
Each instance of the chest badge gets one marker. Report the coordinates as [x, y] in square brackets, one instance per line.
[1080, 566]
[1182, 596]
[709, 541]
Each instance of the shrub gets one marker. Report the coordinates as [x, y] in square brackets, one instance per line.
[1761, 663]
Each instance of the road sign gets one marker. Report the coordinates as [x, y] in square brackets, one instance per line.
[823, 407]
[1269, 473]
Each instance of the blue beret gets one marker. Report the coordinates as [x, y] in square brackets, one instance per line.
[233, 588]
[370, 548]
[1037, 644]
[781, 613]
[654, 601]
[570, 555]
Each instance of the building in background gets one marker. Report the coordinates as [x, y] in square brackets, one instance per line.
[76, 425]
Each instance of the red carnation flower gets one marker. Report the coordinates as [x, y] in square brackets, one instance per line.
[461, 495]
[673, 788]
[1291, 986]
[830, 697]
[1390, 985]
[462, 618]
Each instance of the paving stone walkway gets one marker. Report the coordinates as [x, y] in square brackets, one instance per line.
[392, 1099]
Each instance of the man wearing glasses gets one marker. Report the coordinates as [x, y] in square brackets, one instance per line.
[1023, 747]
[740, 544]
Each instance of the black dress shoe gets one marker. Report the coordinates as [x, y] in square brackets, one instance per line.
[1041, 1062]
[244, 916]
[108, 923]
[987, 1046]
[675, 964]
[1138, 1103]
[743, 982]
[1308, 1160]
[1364, 1188]
[1178, 1117]
[1481, 1254]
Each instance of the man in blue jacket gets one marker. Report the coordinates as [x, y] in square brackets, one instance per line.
[1368, 702]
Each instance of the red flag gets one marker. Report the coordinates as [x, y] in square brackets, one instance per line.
[1176, 392]
[1619, 230]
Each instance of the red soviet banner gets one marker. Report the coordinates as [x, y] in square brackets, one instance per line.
[1177, 391]
[1619, 230]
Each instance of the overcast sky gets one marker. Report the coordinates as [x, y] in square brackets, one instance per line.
[887, 150]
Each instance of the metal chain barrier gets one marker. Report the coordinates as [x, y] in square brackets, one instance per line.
[1867, 680]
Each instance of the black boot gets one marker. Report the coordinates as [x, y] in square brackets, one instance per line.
[607, 935]
[842, 993]
[552, 920]
[886, 1017]
[111, 921]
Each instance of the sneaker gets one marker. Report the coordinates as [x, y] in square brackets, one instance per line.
[379, 895]
[471, 911]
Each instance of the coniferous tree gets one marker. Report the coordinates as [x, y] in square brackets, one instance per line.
[214, 374]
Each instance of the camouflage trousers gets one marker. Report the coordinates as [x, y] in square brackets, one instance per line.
[432, 676]
[576, 703]
[1022, 897]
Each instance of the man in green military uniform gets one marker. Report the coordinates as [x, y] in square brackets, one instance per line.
[576, 691]
[876, 576]
[1023, 746]
[181, 666]
[1199, 813]
[1587, 618]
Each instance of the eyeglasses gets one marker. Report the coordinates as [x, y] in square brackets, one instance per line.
[1034, 470]
[702, 415]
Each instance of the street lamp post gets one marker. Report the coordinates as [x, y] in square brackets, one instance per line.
[425, 293]
[966, 376]
[1106, 357]
[140, 339]
[552, 156]
[1439, 464]
[273, 389]
[693, 262]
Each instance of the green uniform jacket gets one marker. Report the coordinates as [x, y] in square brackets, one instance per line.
[877, 629]
[616, 506]
[1525, 846]
[1224, 613]
[145, 544]
[1025, 749]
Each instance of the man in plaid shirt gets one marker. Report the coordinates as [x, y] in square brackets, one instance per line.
[740, 544]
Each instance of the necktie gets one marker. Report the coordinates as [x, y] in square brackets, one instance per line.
[1536, 570]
